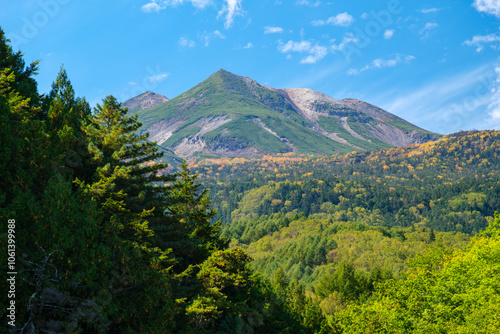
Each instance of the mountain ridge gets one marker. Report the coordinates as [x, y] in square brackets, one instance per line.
[232, 115]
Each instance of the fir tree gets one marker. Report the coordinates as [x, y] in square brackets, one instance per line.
[196, 238]
[125, 177]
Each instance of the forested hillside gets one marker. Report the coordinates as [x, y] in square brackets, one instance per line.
[365, 215]
[449, 185]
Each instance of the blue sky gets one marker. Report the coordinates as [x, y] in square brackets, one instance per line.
[434, 63]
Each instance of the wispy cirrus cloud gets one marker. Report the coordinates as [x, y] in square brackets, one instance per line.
[230, 8]
[381, 63]
[348, 38]
[494, 105]
[430, 10]
[449, 104]
[183, 41]
[152, 7]
[315, 51]
[308, 3]
[488, 6]
[272, 30]
[208, 37]
[427, 29]
[157, 5]
[342, 20]
[480, 41]
[157, 78]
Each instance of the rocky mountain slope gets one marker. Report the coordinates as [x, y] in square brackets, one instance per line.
[144, 101]
[230, 115]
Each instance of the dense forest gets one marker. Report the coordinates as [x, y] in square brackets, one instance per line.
[103, 240]
[370, 214]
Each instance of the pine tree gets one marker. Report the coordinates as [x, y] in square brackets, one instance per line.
[122, 178]
[24, 84]
[125, 179]
[195, 238]
[66, 115]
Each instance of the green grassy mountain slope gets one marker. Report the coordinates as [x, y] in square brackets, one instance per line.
[230, 115]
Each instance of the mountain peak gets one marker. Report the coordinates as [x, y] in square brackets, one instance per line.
[232, 115]
[144, 101]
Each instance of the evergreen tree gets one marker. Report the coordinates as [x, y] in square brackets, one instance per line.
[124, 179]
[196, 238]
[25, 84]
[66, 117]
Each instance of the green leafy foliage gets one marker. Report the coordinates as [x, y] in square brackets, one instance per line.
[457, 293]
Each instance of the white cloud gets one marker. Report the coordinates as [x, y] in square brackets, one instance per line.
[388, 34]
[426, 30]
[488, 6]
[342, 19]
[151, 7]
[132, 83]
[291, 46]
[199, 3]
[248, 46]
[429, 26]
[158, 78]
[381, 63]
[273, 30]
[157, 5]
[231, 9]
[316, 52]
[429, 10]
[364, 16]
[479, 41]
[308, 3]
[348, 38]
[208, 37]
[186, 42]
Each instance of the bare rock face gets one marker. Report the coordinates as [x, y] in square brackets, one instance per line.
[144, 101]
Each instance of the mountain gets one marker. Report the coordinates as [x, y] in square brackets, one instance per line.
[144, 101]
[230, 115]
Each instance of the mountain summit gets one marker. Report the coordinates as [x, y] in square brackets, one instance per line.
[231, 115]
[143, 101]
